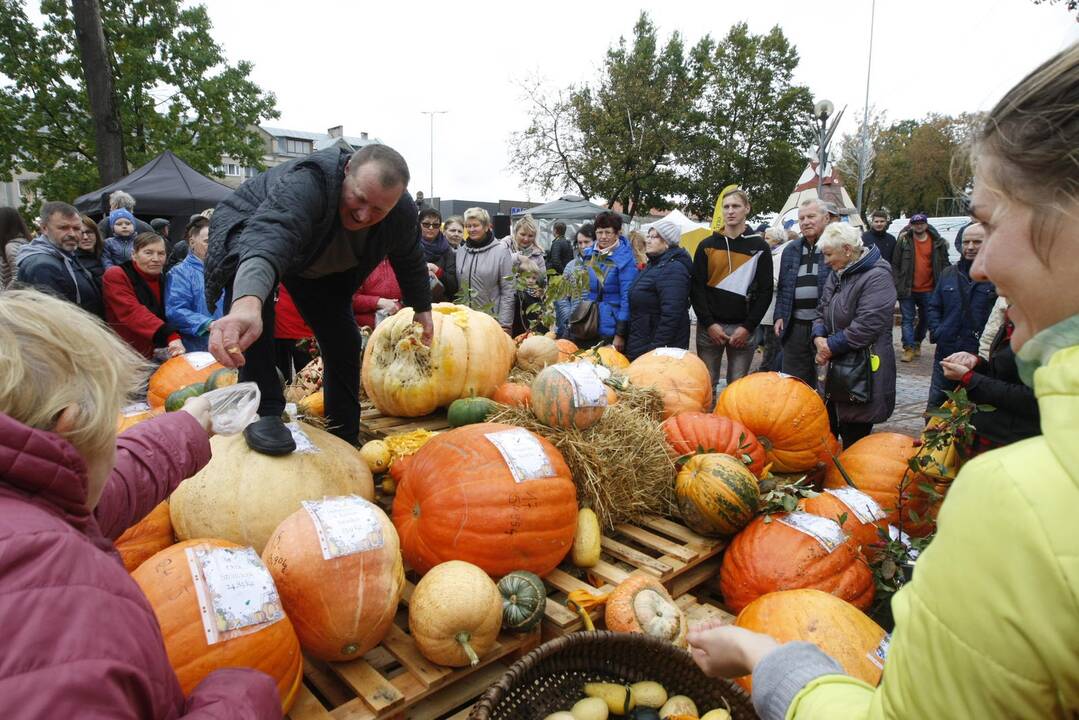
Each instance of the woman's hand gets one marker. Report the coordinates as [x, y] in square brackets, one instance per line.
[953, 371]
[175, 347]
[728, 651]
[824, 353]
[199, 408]
[619, 343]
[432, 269]
[965, 359]
[388, 305]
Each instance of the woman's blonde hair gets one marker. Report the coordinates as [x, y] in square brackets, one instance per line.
[478, 213]
[837, 235]
[636, 243]
[52, 355]
[527, 223]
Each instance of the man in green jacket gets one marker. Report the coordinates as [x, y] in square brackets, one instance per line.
[918, 260]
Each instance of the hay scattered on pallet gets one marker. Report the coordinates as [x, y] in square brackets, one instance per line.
[620, 464]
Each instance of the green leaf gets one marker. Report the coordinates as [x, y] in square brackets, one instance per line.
[790, 503]
[841, 519]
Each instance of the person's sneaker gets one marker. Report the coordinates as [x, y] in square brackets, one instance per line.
[908, 354]
[917, 351]
[269, 436]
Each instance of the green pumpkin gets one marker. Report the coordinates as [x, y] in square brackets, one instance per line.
[177, 398]
[468, 411]
[524, 598]
[221, 378]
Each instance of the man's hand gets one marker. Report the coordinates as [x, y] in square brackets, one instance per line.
[619, 343]
[953, 371]
[235, 332]
[426, 320]
[964, 359]
[715, 331]
[432, 269]
[738, 337]
[779, 327]
[727, 650]
[388, 305]
[175, 347]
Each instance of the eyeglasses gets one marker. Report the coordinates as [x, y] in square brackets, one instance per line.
[430, 225]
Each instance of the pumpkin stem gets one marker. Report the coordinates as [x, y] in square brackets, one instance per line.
[463, 638]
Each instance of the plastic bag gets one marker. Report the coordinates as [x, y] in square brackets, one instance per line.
[234, 407]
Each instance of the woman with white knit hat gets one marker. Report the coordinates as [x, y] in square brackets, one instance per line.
[659, 297]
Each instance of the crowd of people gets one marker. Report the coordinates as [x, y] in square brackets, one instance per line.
[989, 624]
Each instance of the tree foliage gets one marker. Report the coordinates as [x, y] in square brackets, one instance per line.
[173, 88]
[669, 125]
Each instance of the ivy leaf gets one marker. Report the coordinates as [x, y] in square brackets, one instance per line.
[842, 519]
[790, 503]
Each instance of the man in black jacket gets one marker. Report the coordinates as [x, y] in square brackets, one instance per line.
[878, 235]
[48, 261]
[561, 251]
[319, 225]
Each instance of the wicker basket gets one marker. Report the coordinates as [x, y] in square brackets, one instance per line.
[550, 678]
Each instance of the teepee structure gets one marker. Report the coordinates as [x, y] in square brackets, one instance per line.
[806, 189]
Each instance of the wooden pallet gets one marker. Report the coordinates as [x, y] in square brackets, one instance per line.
[395, 681]
[376, 426]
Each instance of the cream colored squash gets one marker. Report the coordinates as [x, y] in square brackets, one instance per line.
[454, 614]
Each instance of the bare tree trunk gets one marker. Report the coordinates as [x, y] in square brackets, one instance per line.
[111, 163]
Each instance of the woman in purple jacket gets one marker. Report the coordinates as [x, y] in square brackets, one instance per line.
[79, 638]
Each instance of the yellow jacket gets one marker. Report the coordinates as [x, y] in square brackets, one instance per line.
[989, 626]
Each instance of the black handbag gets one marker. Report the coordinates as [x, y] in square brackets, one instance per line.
[584, 321]
[850, 377]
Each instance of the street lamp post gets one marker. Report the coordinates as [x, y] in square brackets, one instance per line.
[821, 111]
[862, 160]
[431, 117]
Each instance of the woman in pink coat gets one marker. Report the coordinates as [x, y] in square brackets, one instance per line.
[79, 639]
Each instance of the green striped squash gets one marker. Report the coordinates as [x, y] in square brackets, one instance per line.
[716, 494]
[552, 402]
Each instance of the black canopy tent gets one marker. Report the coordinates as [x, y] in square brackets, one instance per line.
[165, 187]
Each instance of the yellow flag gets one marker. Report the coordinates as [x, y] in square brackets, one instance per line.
[717, 215]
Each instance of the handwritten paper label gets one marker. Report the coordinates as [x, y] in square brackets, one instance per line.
[879, 654]
[345, 525]
[303, 443]
[826, 532]
[676, 353]
[135, 409]
[588, 389]
[236, 592]
[523, 453]
[865, 508]
[199, 360]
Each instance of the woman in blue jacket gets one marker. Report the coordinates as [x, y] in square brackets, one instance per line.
[185, 294]
[611, 269]
[659, 297]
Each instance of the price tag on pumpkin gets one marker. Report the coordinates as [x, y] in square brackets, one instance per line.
[199, 360]
[135, 409]
[345, 525]
[676, 353]
[588, 389]
[236, 592]
[865, 508]
[878, 655]
[526, 458]
[303, 443]
[826, 532]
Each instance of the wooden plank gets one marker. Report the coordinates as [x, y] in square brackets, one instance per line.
[679, 532]
[651, 540]
[558, 613]
[369, 684]
[307, 707]
[404, 649]
[323, 679]
[470, 687]
[566, 582]
[636, 558]
[694, 577]
[608, 573]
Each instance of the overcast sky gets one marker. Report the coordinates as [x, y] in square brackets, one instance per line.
[375, 66]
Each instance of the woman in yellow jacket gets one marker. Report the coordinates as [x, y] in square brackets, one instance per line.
[989, 625]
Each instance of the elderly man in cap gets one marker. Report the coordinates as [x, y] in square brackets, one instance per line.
[918, 261]
[659, 298]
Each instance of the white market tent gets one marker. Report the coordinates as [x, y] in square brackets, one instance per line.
[806, 189]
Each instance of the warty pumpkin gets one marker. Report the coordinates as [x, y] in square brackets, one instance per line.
[876, 465]
[716, 494]
[148, 536]
[787, 416]
[460, 500]
[861, 515]
[641, 604]
[513, 394]
[454, 614]
[770, 556]
[179, 372]
[469, 355]
[678, 374]
[343, 606]
[537, 352]
[607, 356]
[836, 627]
[555, 398]
[165, 579]
[692, 432]
[242, 495]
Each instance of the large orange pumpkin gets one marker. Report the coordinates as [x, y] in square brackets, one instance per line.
[566, 350]
[785, 414]
[770, 556]
[691, 432]
[555, 403]
[862, 516]
[179, 372]
[343, 606]
[836, 627]
[469, 355]
[716, 494]
[150, 535]
[876, 465]
[459, 500]
[513, 394]
[640, 604]
[165, 579]
[678, 374]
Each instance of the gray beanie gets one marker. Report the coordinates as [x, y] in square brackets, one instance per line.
[668, 231]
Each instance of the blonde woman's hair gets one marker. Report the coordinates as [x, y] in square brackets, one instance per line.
[52, 355]
[837, 235]
[478, 213]
[526, 223]
[636, 243]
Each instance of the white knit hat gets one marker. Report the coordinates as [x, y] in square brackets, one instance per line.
[667, 230]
